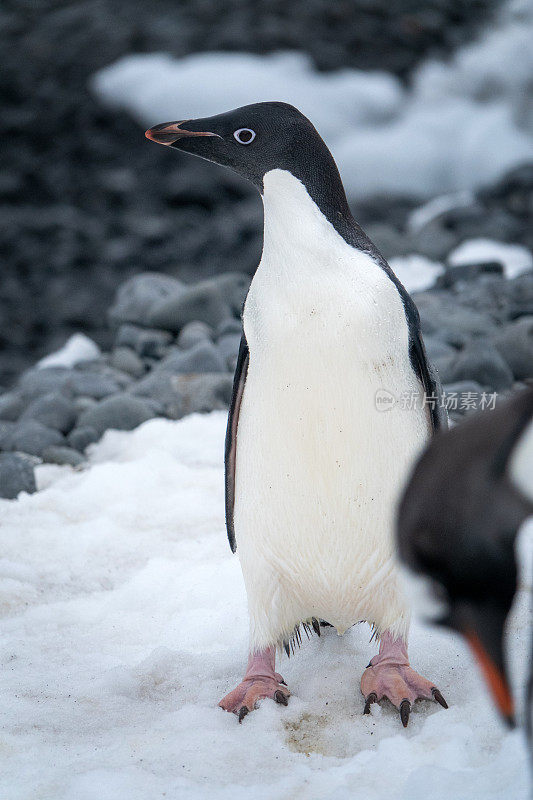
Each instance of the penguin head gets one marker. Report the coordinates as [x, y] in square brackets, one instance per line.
[251, 140]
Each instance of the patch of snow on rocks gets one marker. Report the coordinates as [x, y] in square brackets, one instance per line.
[78, 348]
[416, 272]
[514, 258]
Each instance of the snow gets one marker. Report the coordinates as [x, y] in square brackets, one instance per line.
[437, 206]
[462, 123]
[78, 348]
[515, 258]
[124, 622]
[416, 272]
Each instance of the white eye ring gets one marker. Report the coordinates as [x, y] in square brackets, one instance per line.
[238, 134]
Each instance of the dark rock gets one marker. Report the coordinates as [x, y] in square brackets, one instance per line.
[204, 302]
[515, 345]
[442, 316]
[467, 272]
[36, 382]
[433, 240]
[480, 362]
[185, 394]
[139, 295]
[211, 301]
[16, 475]
[82, 436]
[234, 288]
[126, 360]
[32, 437]
[202, 357]
[228, 347]
[153, 343]
[11, 406]
[436, 348]
[388, 240]
[6, 427]
[148, 342]
[193, 333]
[92, 385]
[53, 411]
[62, 455]
[122, 412]
[520, 295]
[82, 403]
[229, 326]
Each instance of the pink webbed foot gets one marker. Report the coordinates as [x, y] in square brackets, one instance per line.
[389, 675]
[260, 681]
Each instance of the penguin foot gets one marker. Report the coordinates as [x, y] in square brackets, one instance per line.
[260, 681]
[389, 676]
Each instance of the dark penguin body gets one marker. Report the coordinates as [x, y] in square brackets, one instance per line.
[313, 467]
[469, 494]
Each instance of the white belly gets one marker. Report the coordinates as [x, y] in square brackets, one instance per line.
[319, 467]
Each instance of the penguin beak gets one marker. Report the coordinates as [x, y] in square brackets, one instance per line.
[484, 632]
[169, 132]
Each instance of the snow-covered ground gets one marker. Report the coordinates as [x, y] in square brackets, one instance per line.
[462, 123]
[124, 622]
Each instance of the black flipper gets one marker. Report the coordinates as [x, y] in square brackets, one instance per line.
[231, 437]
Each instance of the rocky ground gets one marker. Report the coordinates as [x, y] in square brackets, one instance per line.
[85, 202]
[174, 348]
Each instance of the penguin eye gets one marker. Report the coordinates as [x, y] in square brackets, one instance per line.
[244, 135]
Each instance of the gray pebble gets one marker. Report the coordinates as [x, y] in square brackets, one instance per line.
[54, 411]
[515, 345]
[228, 347]
[151, 342]
[229, 326]
[204, 301]
[11, 406]
[202, 357]
[184, 394]
[30, 436]
[82, 436]
[137, 297]
[16, 475]
[437, 349]
[126, 360]
[193, 333]
[36, 382]
[6, 427]
[92, 384]
[62, 455]
[82, 403]
[443, 316]
[122, 412]
[480, 362]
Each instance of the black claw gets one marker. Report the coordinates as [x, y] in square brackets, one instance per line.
[287, 649]
[372, 698]
[405, 710]
[243, 711]
[439, 698]
[283, 682]
[281, 698]
[316, 626]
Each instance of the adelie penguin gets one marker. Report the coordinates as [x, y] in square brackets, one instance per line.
[468, 496]
[314, 465]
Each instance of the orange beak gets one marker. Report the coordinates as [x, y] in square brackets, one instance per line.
[494, 677]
